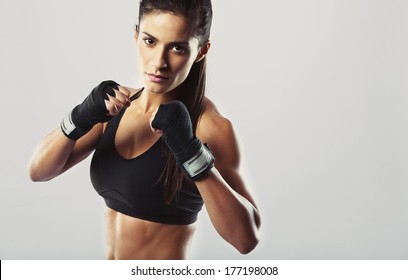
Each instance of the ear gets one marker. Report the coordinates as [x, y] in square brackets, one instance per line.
[203, 51]
[136, 34]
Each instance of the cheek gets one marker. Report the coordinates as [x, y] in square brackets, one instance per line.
[142, 55]
[181, 67]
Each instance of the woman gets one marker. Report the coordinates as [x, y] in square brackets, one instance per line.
[150, 164]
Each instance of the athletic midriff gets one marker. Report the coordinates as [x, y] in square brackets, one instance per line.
[131, 238]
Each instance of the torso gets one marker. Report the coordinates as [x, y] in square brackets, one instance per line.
[129, 237]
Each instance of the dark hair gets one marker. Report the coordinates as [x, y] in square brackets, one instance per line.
[199, 14]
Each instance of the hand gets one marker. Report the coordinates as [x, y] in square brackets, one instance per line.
[105, 101]
[155, 130]
[116, 103]
[173, 120]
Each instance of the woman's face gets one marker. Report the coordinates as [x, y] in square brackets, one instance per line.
[167, 51]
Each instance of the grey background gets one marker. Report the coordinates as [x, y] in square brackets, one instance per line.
[317, 91]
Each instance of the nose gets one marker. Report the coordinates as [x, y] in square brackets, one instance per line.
[159, 61]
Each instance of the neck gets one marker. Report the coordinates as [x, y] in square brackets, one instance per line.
[149, 101]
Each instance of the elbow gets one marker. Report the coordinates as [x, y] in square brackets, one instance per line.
[248, 242]
[35, 174]
[252, 237]
[248, 246]
[32, 174]
[35, 178]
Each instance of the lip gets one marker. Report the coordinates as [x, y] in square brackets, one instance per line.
[156, 78]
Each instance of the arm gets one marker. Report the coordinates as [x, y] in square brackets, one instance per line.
[56, 153]
[79, 133]
[229, 204]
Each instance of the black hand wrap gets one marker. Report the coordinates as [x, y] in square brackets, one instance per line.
[90, 112]
[191, 155]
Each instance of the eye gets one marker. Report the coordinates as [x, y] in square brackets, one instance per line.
[148, 41]
[179, 49]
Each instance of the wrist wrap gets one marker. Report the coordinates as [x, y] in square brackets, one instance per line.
[194, 158]
[90, 112]
[200, 164]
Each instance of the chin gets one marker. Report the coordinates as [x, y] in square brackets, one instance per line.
[155, 88]
[158, 88]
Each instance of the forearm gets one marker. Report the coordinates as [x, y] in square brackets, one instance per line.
[228, 202]
[79, 132]
[234, 217]
[50, 156]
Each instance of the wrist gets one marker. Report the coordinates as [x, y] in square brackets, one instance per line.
[70, 129]
[200, 164]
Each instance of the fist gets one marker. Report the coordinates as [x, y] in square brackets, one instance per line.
[117, 100]
[173, 120]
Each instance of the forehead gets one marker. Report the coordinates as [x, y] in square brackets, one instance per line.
[166, 26]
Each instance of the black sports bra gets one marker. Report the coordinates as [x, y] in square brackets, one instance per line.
[133, 186]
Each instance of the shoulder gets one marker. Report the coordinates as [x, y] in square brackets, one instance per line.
[218, 132]
[211, 122]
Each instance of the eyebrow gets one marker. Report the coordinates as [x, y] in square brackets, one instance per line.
[172, 43]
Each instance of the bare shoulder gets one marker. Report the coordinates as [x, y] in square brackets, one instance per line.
[212, 124]
[218, 132]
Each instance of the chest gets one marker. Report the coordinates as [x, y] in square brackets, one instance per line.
[133, 135]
